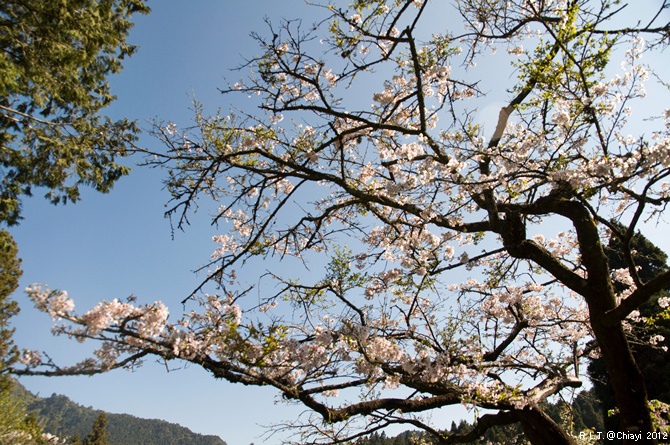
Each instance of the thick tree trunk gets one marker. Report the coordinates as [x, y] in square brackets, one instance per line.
[627, 382]
[598, 292]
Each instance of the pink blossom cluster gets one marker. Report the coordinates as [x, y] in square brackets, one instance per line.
[56, 303]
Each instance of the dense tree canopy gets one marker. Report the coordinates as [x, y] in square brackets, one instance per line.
[55, 59]
[408, 260]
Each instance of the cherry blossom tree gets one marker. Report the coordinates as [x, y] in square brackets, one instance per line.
[380, 255]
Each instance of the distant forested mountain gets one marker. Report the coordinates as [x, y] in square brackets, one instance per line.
[61, 416]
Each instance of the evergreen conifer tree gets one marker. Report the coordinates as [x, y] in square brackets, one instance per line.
[55, 58]
[16, 428]
[10, 271]
[98, 434]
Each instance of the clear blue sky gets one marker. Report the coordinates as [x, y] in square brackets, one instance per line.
[112, 246]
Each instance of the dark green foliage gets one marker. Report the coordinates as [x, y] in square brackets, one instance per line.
[55, 57]
[584, 413]
[12, 412]
[587, 412]
[17, 426]
[64, 418]
[501, 435]
[98, 434]
[648, 257]
[10, 272]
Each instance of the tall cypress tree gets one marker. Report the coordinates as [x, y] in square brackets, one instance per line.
[98, 434]
[10, 271]
[16, 426]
